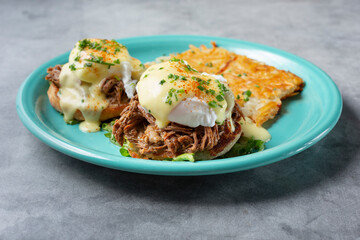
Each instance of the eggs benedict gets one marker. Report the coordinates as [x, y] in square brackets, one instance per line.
[96, 84]
[178, 111]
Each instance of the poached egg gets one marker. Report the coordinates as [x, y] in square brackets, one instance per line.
[174, 91]
[90, 63]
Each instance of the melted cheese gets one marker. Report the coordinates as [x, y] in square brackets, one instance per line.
[165, 85]
[90, 62]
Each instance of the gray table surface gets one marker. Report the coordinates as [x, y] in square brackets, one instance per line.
[313, 195]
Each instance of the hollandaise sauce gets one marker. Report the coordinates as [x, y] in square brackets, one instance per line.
[90, 62]
[164, 86]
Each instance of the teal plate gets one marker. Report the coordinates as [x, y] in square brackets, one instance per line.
[304, 119]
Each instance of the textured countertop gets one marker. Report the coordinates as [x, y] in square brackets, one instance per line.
[313, 195]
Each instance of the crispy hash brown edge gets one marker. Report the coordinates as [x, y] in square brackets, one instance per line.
[258, 88]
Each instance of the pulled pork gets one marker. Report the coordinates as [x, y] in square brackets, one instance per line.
[114, 91]
[149, 141]
[54, 75]
[111, 87]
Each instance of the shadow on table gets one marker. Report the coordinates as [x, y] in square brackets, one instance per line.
[325, 160]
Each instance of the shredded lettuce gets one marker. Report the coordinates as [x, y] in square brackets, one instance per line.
[245, 146]
[107, 126]
[72, 122]
[124, 149]
[185, 157]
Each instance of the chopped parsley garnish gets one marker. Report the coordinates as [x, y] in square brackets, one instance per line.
[201, 88]
[99, 46]
[257, 86]
[209, 64]
[84, 43]
[174, 59]
[117, 61]
[146, 75]
[141, 65]
[72, 67]
[211, 91]
[117, 78]
[82, 100]
[87, 64]
[169, 96]
[246, 94]
[201, 81]
[77, 58]
[175, 77]
[161, 68]
[219, 98]
[95, 59]
[245, 74]
[238, 97]
[162, 82]
[222, 88]
[116, 50]
[213, 104]
[173, 93]
[239, 75]
[189, 68]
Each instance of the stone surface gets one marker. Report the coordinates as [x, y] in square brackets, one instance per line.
[313, 195]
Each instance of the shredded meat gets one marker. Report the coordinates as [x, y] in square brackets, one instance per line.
[113, 88]
[54, 75]
[149, 141]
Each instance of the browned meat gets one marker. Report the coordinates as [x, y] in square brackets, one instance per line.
[54, 75]
[113, 88]
[149, 141]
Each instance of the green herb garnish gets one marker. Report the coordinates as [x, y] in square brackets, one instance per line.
[212, 104]
[201, 88]
[211, 91]
[219, 98]
[72, 67]
[247, 94]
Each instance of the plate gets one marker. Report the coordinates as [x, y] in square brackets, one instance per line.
[304, 119]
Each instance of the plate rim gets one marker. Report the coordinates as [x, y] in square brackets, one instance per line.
[207, 167]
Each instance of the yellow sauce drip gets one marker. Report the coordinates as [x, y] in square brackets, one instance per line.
[250, 129]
